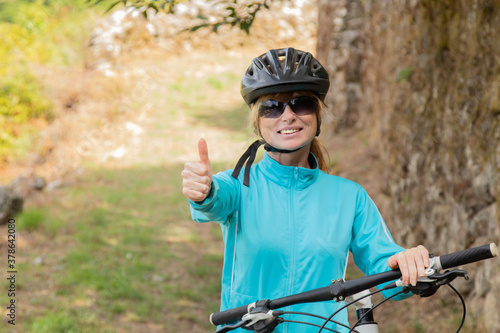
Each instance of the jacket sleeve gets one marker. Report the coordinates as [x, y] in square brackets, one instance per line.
[222, 201]
[372, 243]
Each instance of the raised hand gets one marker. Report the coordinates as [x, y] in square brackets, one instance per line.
[197, 176]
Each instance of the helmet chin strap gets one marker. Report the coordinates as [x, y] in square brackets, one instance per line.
[249, 157]
[270, 148]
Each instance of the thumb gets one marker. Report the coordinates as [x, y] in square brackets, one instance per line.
[203, 151]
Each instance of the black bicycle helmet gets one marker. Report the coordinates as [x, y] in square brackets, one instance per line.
[284, 70]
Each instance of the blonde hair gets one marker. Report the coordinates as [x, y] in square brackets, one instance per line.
[317, 147]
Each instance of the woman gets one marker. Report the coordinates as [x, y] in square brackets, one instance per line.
[287, 224]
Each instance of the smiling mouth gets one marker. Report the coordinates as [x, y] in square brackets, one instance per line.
[290, 131]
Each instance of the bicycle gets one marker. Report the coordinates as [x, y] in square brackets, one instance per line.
[262, 316]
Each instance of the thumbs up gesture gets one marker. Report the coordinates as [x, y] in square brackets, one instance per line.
[197, 176]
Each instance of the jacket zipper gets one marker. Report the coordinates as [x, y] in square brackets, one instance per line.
[293, 238]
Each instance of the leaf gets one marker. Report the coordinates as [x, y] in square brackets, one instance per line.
[232, 11]
[404, 74]
[216, 26]
[196, 27]
[231, 14]
[154, 7]
[113, 5]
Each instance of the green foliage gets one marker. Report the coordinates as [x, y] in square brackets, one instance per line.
[33, 32]
[215, 82]
[157, 5]
[31, 219]
[21, 98]
[41, 31]
[57, 322]
[418, 327]
[404, 74]
[237, 13]
[38, 219]
[241, 16]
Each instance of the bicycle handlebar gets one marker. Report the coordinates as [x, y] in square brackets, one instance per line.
[467, 256]
[335, 290]
[348, 288]
[229, 316]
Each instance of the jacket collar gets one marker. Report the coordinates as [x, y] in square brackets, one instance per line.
[289, 176]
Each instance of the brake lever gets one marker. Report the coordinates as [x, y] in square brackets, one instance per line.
[256, 315]
[449, 276]
[428, 285]
[228, 328]
[259, 316]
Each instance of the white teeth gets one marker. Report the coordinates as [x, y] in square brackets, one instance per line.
[290, 131]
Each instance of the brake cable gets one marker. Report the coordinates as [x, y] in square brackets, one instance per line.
[310, 315]
[387, 287]
[310, 324]
[463, 305]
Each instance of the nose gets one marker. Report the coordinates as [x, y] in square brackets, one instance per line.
[288, 114]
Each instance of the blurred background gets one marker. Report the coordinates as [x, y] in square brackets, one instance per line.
[102, 102]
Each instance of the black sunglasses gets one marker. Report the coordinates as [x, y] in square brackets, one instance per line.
[302, 105]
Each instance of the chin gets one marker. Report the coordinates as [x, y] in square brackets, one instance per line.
[292, 146]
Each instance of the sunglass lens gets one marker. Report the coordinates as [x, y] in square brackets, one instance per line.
[271, 109]
[304, 105]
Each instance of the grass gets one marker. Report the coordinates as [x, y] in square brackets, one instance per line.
[31, 219]
[126, 254]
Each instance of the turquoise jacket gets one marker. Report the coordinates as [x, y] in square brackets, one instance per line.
[291, 231]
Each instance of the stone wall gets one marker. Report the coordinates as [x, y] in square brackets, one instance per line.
[428, 92]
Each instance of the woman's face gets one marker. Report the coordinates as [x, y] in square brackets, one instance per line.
[289, 131]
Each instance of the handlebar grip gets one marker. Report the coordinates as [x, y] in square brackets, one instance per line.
[228, 316]
[468, 256]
